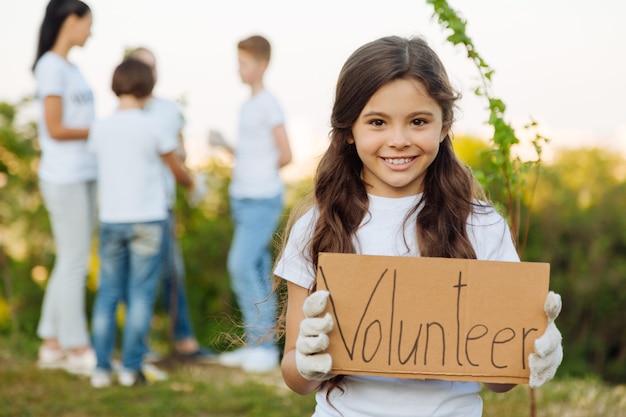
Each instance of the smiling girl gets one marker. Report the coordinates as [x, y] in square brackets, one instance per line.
[390, 184]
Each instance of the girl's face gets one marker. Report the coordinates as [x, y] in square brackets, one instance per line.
[397, 137]
[79, 28]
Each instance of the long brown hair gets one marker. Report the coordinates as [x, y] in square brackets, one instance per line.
[340, 194]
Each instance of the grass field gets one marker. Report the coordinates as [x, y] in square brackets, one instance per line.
[214, 391]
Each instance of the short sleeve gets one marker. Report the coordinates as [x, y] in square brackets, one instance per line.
[293, 264]
[167, 114]
[275, 116]
[165, 143]
[50, 77]
[491, 236]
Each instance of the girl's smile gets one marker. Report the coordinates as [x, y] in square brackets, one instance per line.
[399, 163]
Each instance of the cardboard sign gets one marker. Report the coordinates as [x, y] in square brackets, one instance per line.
[433, 318]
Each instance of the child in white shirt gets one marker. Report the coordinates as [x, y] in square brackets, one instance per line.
[133, 219]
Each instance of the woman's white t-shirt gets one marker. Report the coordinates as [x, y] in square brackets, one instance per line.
[64, 162]
[383, 232]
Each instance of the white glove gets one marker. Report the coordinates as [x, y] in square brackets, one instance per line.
[200, 189]
[548, 354]
[313, 339]
[216, 138]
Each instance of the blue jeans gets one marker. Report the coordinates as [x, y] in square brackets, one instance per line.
[174, 291]
[250, 262]
[130, 267]
[72, 211]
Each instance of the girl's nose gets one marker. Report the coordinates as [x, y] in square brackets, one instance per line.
[399, 139]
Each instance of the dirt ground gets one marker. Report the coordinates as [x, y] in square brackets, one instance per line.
[217, 372]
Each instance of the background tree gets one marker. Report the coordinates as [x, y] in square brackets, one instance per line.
[506, 176]
[579, 227]
[25, 241]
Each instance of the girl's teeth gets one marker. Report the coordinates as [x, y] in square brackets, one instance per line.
[398, 161]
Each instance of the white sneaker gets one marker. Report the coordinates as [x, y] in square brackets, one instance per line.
[100, 378]
[81, 364]
[152, 373]
[51, 358]
[261, 360]
[129, 378]
[234, 358]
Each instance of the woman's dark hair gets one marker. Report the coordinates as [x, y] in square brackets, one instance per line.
[56, 13]
[133, 77]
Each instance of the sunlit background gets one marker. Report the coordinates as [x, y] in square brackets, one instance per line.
[558, 62]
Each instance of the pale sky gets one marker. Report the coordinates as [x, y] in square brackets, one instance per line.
[559, 62]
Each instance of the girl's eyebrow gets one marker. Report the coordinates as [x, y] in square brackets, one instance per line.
[374, 113]
[422, 113]
[414, 114]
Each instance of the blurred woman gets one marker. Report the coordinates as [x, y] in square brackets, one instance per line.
[67, 174]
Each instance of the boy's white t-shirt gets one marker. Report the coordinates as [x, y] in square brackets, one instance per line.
[256, 171]
[167, 116]
[64, 162]
[131, 184]
[381, 233]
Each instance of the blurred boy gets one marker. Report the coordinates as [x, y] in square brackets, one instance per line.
[133, 220]
[169, 117]
[256, 198]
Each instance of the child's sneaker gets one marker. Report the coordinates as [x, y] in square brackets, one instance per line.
[234, 358]
[81, 363]
[152, 373]
[261, 360]
[100, 378]
[49, 358]
[129, 378]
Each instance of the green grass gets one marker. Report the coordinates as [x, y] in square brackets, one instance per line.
[214, 391]
[199, 391]
[561, 397]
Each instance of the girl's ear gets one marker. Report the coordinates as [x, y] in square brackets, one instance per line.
[350, 139]
[444, 133]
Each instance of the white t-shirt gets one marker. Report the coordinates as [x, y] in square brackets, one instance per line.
[64, 162]
[168, 118]
[381, 233]
[256, 171]
[131, 184]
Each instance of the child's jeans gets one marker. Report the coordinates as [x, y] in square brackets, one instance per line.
[250, 262]
[174, 291]
[130, 267]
